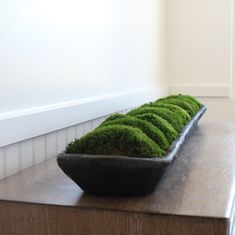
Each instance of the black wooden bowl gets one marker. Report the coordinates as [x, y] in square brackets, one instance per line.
[107, 175]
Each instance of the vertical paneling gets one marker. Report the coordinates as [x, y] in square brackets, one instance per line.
[60, 141]
[1, 163]
[79, 130]
[87, 127]
[26, 153]
[51, 145]
[39, 147]
[4, 162]
[19, 156]
[71, 133]
[12, 154]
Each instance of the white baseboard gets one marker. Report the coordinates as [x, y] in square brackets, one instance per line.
[201, 91]
[25, 124]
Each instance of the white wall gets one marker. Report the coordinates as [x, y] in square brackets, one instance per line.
[200, 51]
[67, 62]
[54, 51]
[199, 43]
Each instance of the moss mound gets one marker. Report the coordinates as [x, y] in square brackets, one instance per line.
[146, 127]
[190, 102]
[187, 98]
[174, 108]
[163, 125]
[195, 107]
[169, 116]
[113, 117]
[181, 103]
[116, 140]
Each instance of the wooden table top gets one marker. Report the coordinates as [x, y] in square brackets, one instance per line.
[201, 182]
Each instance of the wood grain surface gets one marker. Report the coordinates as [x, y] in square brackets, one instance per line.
[196, 194]
[35, 219]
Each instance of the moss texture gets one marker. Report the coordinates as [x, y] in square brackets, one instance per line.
[146, 131]
[181, 103]
[174, 108]
[113, 117]
[146, 127]
[116, 140]
[169, 131]
[187, 98]
[195, 107]
[169, 116]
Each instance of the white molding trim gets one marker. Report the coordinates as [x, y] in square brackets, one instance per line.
[25, 124]
[201, 91]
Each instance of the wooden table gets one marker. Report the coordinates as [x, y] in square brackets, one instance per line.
[195, 198]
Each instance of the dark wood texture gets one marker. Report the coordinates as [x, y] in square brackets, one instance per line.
[195, 197]
[34, 219]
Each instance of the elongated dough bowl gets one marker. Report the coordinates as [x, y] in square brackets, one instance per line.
[108, 175]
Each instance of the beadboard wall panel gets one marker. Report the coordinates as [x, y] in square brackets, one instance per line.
[1, 163]
[39, 149]
[11, 153]
[50, 145]
[61, 140]
[24, 154]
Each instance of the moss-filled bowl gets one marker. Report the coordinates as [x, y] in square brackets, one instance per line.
[107, 175]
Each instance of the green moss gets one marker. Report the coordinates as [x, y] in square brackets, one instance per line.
[187, 97]
[150, 130]
[113, 117]
[116, 140]
[169, 116]
[181, 103]
[168, 130]
[174, 108]
[146, 131]
[195, 107]
[190, 102]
